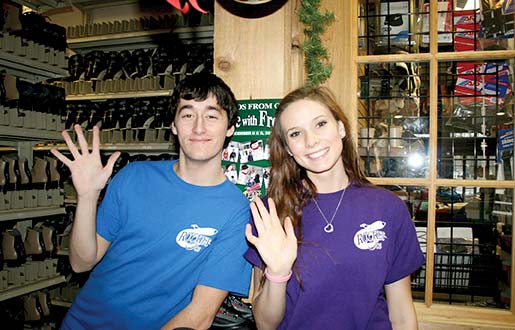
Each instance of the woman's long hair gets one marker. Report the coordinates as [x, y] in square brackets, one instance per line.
[290, 188]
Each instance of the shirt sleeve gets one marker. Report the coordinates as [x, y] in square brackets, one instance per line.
[406, 256]
[226, 268]
[108, 213]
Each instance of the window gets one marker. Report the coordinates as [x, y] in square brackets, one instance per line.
[435, 125]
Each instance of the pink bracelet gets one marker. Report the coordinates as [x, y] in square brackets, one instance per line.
[275, 279]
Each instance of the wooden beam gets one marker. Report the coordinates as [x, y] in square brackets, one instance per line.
[258, 57]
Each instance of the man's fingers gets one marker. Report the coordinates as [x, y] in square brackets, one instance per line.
[71, 146]
[112, 160]
[81, 139]
[61, 157]
[95, 143]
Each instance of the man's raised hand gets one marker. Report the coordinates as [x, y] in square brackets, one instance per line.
[89, 176]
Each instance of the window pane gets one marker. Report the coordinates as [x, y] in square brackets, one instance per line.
[475, 121]
[387, 27]
[395, 26]
[471, 261]
[393, 119]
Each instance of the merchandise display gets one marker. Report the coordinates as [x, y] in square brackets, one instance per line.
[32, 213]
[36, 282]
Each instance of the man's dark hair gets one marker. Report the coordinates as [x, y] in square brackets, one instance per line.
[198, 86]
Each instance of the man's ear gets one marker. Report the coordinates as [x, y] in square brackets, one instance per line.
[174, 129]
[230, 131]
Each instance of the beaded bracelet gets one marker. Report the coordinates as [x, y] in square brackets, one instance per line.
[276, 279]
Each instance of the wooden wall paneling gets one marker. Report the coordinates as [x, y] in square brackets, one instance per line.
[258, 57]
[341, 41]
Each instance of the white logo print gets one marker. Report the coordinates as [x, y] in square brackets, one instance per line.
[371, 236]
[195, 238]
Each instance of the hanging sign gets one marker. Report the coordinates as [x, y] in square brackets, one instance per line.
[246, 158]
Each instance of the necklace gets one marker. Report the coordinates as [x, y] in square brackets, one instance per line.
[329, 228]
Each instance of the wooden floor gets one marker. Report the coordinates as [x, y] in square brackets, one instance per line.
[435, 326]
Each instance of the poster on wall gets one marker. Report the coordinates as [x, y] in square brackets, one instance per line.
[246, 159]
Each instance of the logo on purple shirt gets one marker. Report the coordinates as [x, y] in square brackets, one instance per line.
[370, 236]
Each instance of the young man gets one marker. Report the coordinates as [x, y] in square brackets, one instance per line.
[166, 245]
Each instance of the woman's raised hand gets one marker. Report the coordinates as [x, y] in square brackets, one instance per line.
[89, 176]
[275, 242]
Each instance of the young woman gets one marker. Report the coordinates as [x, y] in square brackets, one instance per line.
[351, 246]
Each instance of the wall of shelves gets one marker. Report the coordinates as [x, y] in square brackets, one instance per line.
[26, 272]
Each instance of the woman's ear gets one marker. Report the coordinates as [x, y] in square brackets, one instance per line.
[341, 129]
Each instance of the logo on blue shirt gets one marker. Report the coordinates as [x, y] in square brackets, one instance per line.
[194, 238]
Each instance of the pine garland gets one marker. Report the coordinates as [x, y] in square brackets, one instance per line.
[318, 67]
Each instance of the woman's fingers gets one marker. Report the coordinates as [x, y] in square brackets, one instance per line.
[263, 212]
[288, 228]
[273, 212]
[250, 236]
[257, 218]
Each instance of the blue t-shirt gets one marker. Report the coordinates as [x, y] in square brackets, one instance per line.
[167, 236]
[343, 273]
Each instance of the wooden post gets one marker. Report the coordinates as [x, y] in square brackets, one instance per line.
[260, 57]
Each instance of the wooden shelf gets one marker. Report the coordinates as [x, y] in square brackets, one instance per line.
[27, 134]
[142, 146]
[140, 39]
[29, 69]
[18, 290]
[60, 303]
[18, 214]
[121, 95]
[62, 252]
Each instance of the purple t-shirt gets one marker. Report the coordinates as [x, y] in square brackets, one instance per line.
[343, 273]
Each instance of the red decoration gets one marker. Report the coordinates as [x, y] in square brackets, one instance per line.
[184, 5]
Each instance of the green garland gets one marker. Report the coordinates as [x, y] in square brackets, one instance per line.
[317, 63]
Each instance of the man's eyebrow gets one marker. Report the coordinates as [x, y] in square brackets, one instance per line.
[209, 107]
[217, 108]
[185, 106]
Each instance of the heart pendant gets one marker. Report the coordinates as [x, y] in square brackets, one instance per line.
[329, 228]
